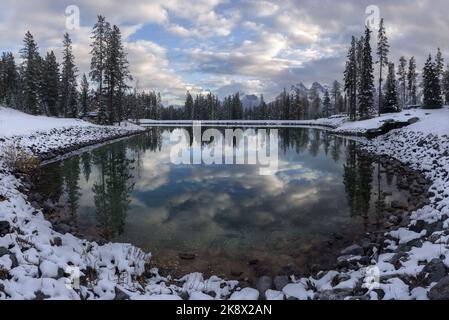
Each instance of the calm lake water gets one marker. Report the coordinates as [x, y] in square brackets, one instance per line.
[230, 217]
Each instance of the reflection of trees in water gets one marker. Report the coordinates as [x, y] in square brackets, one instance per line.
[358, 173]
[71, 171]
[113, 188]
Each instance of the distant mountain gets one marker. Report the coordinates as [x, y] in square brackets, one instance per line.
[249, 100]
[302, 90]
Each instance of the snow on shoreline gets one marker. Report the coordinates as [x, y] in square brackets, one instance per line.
[36, 261]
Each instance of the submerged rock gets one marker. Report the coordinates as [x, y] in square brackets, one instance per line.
[263, 284]
[354, 249]
[280, 282]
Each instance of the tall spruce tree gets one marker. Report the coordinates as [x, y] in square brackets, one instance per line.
[350, 79]
[391, 95]
[366, 99]
[51, 80]
[9, 80]
[431, 86]
[188, 107]
[336, 95]
[402, 78]
[30, 74]
[326, 104]
[100, 35]
[412, 82]
[84, 97]
[68, 101]
[383, 48]
[116, 74]
[445, 86]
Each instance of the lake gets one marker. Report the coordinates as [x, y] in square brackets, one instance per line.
[227, 220]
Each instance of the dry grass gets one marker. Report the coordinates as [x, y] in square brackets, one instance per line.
[19, 160]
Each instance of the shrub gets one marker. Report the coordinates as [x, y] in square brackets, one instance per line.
[19, 160]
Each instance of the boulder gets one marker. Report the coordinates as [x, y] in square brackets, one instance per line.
[440, 291]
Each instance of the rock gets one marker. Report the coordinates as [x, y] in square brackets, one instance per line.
[235, 273]
[413, 120]
[263, 284]
[418, 226]
[398, 205]
[396, 259]
[280, 282]
[39, 295]
[187, 256]
[333, 295]
[274, 295]
[245, 294]
[434, 271]
[440, 291]
[352, 250]
[5, 228]
[15, 262]
[3, 251]
[57, 241]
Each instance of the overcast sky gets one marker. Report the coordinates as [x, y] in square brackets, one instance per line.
[229, 45]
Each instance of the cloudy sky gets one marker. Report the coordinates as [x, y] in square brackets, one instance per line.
[229, 45]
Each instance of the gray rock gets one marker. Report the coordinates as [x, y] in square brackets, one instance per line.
[280, 282]
[57, 241]
[263, 284]
[120, 295]
[413, 120]
[187, 256]
[352, 250]
[15, 262]
[5, 228]
[3, 251]
[398, 205]
[434, 271]
[440, 291]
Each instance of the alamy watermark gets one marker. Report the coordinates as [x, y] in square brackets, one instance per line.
[72, 17]
[372, 20]
[235, 146]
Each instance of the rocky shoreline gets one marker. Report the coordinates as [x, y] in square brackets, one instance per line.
[403, 250]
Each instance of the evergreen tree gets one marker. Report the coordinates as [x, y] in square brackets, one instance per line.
[431, 86]
[99, 46]
[50, 86]
[84, 98]
[336, 95]
[350, 77]
[391, 96]
[116, 74]
[9, 80]
[366, 98]
[326, 104]
[69, 93]
[412, 82]
[402, 78]
[383, 48]
[445, 85]
[30, 74]
[263, 108]
[188, 107]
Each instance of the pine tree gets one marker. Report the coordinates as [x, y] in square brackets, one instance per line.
[50, 88]
[188, 107]
[445, 85]
[431, 86]
[30, 74]
[402, 78]
[326, 104]
[366, 98]
[383, 48]
[116, 74]
[439, 65]
[350, 77]
[391, 95]
[336, 95]
[9, 80]
[263, 108]
[412, 82]
[69, 93]
[99, 46]
[84, 98]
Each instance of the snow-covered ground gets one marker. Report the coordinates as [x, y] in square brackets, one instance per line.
[37, 262]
